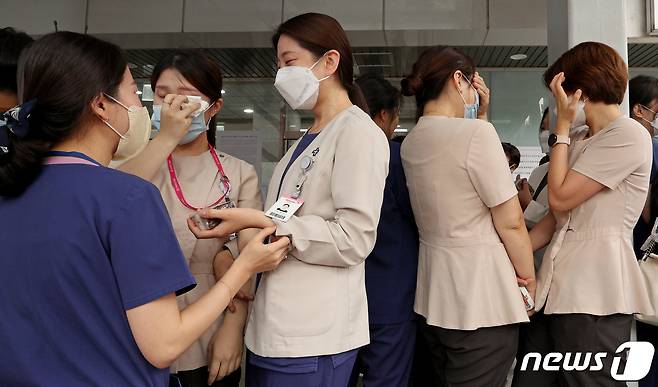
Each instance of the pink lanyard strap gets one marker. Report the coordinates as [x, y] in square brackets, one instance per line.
[179, 191]
[59, 160]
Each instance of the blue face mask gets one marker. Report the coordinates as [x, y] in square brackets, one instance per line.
[197, 127]
[471, 110]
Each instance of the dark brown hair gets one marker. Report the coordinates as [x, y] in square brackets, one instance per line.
[12, 42]
[434, 67]
[63, 72]
[320, 33]
[595, 68]
[379, 94]
[642, 90]
[512, 153]
[202, 71]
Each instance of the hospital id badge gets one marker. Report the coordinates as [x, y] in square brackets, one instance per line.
[284, 208]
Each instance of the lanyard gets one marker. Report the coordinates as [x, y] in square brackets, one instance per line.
[59, 158]
[179, 191]
[305, 168]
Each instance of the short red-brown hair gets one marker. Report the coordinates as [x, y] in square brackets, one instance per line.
[595, 68]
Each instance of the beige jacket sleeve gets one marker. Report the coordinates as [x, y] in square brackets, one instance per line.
[613, 155]
[358, 177]
[488, 169]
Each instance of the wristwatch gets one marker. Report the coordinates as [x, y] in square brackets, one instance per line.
[554, 139]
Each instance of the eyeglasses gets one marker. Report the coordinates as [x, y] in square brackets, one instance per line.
[646, 108]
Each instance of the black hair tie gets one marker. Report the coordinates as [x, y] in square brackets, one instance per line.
[15, 121]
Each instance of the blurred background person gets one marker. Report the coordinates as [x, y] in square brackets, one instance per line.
[12, 43]
[544, 134]
[532, 192]
[643, 102]
[391, 267]
[513, 156]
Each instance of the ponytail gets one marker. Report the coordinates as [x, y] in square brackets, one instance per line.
[379, 94]
[432, 71]
[21, 166]
[20, 156]
[356, 96]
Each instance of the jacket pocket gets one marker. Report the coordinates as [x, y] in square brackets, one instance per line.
[301, 299]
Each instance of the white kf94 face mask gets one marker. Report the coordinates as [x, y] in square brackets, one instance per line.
[299, 86]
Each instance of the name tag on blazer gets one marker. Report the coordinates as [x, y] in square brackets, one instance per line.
[284, 208]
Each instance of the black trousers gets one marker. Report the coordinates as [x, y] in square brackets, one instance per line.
[572, 333]
[199, 378]
[646, 332]
[477, 358]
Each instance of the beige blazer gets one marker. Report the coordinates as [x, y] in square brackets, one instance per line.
[314, 303]
[589, 266]
[199, 179]
[456, 171]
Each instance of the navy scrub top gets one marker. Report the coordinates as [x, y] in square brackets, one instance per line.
[642, 229]
[80, 246]
[392, 266]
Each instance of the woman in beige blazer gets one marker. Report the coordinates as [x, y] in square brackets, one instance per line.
[589, 284]
[473, 241]
[311, 315]
[204, 178]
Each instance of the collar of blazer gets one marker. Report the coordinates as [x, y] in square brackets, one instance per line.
[314, 151]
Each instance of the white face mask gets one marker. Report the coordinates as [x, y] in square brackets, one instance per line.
[654, 123]
[543, 141]
[135, 139]
[299, 86]
[579, 121]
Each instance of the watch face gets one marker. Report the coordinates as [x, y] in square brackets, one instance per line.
[552, 139]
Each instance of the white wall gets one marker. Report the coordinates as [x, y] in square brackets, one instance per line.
[166, 23]
[248, 23]
[36, 16]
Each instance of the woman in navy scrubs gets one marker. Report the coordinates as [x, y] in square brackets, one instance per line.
[90, 263]
[386, 361]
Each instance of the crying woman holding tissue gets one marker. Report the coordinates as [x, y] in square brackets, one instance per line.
[183, 163]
